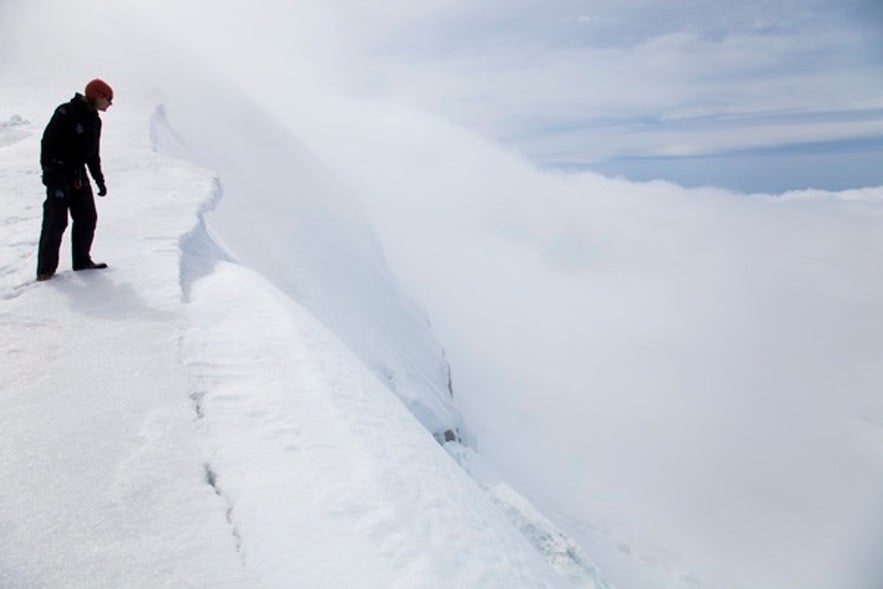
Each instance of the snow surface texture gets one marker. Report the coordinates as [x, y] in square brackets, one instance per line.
[684, 384]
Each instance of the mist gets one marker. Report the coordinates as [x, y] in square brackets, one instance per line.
[707, 360]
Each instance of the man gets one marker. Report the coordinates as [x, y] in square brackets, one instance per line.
[70, 145]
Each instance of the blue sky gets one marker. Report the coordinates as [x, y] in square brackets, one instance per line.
[832, 166]
[754, 96]
[760, 95]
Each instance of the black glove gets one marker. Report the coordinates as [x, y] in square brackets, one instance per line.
[102, 189]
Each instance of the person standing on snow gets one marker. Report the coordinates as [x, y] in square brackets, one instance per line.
[70, 145]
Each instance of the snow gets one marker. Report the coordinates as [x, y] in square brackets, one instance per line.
[334, 470]
[100, 487]
[226, 438]
[305, 232]
[652, 386]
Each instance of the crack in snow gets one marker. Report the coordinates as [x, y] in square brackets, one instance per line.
[211, 479]
[196, 397]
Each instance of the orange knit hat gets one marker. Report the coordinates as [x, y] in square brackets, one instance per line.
[97, 88]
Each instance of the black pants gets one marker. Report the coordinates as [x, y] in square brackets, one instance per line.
[81, 204]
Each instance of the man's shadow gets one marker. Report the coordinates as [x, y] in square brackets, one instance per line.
[95, 293]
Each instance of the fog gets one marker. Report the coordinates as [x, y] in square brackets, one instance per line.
[705, 358]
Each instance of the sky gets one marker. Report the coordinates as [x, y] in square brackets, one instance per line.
[761, 96]
[686, 380]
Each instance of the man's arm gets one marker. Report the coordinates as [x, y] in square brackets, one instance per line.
[55, 149]
[94, 163]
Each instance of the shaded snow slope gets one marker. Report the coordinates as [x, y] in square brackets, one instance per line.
[330, 481]
[283, 215]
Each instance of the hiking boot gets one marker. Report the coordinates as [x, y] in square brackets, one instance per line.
[44, 276]
[91, 266]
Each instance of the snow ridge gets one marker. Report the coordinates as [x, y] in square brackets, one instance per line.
[311, 453]
[200, 259]
[199, 250]
[251, 389]
[562, 553]
[237, 442]
[285, 216]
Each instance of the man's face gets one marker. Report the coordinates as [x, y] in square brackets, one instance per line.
[102, 103]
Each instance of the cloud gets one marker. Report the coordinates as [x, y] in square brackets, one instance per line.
[507, 88]
[708, 347]
[570, 82]
[643, 78]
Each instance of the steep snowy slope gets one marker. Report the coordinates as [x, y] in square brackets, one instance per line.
[688, 381]
[224, 439]
[283, 214]
[181, 420]
[280, 213]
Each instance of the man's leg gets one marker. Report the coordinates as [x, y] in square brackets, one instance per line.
[54, 223]
[83, 231]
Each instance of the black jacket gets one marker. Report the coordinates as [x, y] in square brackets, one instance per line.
[70, 142]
